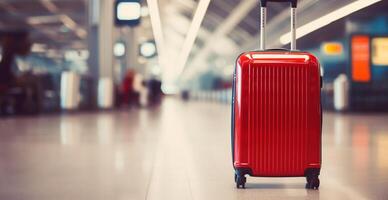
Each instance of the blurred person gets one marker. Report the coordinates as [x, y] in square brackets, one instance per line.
[155, 91]
[22, 87]
[185, 94]
[129, 95]
[141, 89]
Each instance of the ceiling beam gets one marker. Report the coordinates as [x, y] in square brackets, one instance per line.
[66, 19]
[157, 30]
[236, 16]
[192, 34]
[327, 19]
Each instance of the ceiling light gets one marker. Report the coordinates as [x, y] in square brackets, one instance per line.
[327, 19]
[37, 20]
[49, 5]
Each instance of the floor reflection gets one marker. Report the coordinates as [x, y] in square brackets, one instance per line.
[105, 129]
[180, 151]
[70, 131]
[381, 141]
[360, 143]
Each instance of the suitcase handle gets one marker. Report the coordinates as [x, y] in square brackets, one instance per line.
[278, 49]
[263, 22]
[293, 2]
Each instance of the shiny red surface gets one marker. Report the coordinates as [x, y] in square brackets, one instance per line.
[277, 113]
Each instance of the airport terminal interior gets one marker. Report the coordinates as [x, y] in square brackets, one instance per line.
[156, 99]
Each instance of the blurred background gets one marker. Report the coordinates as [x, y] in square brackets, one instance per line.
[152, 76]
[83, 58]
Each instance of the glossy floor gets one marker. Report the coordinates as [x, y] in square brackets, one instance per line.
[179, 151]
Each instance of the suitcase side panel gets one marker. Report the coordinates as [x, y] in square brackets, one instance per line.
[240, 140]
[314, 111]
[277, 116]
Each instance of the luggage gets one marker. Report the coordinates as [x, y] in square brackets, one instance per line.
[276, 112]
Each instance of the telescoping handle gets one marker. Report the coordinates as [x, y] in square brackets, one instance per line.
[263, 22]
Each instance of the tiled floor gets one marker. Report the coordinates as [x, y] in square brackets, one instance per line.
[180, 151]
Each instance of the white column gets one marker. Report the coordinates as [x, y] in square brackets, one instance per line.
[105, 54]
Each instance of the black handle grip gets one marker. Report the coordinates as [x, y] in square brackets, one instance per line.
[294, 3]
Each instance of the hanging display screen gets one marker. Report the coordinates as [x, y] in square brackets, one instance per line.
[128, 12]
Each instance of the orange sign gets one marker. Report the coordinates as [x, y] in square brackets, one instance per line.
[332, 48]
[361, 71]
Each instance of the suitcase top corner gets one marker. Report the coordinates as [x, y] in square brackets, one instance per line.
[270, 56]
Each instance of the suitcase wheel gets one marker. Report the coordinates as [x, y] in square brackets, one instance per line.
[312, 183]
[240, 181]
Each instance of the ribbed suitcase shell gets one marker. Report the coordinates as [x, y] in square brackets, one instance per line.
[277, 114]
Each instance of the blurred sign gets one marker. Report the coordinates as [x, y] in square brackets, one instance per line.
[360, 57]
[127, 12]
[332, 48]
[148, 49]
[380, 51]
[119, 49]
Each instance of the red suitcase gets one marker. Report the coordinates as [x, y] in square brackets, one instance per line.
[276, 112]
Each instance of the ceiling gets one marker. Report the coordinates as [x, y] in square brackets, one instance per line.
[233, 23]
[232, 26]
[51, 23]
[228, 24]
[228, 27]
